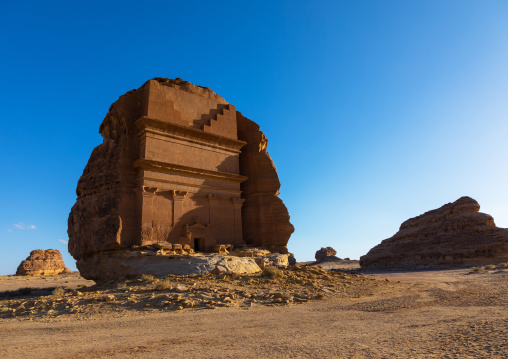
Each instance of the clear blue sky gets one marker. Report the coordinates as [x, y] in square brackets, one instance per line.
[376, 111]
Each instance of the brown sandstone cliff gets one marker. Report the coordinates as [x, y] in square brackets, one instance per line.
[454, 234]
[42, 262]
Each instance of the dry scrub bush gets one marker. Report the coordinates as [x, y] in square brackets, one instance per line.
[272, 272]
[476, 269]
[503, 264]
[490, 266]
[146, 277]
[121, 285]
[163, 285]
[58, 291]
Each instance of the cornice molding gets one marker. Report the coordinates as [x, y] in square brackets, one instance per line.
[186, 170]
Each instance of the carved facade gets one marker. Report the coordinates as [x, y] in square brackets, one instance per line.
[189, 179]
[178, 165]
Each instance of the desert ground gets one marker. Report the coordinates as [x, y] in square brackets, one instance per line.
[306, 312]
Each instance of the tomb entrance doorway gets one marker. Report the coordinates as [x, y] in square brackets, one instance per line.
[199, 244]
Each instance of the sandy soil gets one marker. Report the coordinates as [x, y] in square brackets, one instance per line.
[426, 314]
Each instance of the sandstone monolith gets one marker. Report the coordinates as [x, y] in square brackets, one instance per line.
[454, 234]
[179, 168]
[43, 262]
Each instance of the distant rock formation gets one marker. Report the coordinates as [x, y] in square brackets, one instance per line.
[178, 166]
[43, 262]
[326, 255]
[454, 234]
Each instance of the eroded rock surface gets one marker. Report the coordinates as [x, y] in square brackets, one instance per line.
[178, 165]
[265, 217]
[131, 263]
[454, 234]
[42, 262]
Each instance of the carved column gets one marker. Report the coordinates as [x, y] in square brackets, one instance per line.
[147, 194]
[237, 205]
[212, 210]
[178, 197]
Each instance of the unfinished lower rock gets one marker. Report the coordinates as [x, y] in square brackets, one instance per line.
[454, 234]
[43, 262]
[134, 263]
[178, 164]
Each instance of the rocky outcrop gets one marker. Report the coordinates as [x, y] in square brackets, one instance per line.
[455, 234]
[178, 165]
[43, 262]
[134, 263]
[326, 255]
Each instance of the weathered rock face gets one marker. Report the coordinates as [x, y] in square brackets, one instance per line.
[130, 263]
[325, 255]
[42, 262]
[265, 217]
[455, 234]
[178, 165]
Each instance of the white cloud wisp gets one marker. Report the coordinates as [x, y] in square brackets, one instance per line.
[23, 226]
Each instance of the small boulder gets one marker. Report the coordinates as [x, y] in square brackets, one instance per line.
[180, 289]
[252, 252]
[326, 254]
[222, 248]
[164, 246]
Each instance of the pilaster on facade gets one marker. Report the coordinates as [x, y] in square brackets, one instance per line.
[212, 209]
[146, 196]
[178, 197]
[238, 235]
[238, 202]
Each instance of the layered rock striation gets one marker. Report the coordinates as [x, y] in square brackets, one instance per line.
[178, 166]
[43, 262]
[454, 234]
